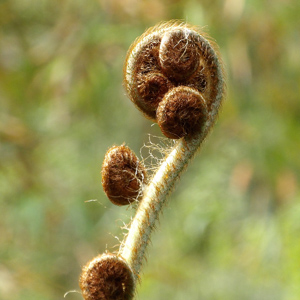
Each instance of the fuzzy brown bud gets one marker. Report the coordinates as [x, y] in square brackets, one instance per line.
[179, 54]
[107, 277]
[182, 112]
[152, 87]
[122, 175]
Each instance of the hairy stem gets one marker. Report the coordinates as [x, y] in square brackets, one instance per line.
[155, 194]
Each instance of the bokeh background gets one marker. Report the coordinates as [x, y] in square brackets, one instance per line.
[231, 229]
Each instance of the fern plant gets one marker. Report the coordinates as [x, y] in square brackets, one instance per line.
[174, 75]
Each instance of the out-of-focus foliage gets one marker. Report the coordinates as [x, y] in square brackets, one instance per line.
[231, 229]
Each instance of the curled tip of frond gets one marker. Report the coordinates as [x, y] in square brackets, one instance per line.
[169, 55]
[107, 277]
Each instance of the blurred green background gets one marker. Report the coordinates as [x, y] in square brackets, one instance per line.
[231, 229]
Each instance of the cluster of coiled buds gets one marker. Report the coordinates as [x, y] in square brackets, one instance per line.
[173, 74]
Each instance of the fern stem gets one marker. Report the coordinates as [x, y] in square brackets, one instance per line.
[134, 246]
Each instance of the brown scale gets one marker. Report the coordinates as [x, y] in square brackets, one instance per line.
[122, 175]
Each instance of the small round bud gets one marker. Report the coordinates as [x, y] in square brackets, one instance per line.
[182, 112]
[122, 175]
[179, 53]
[107, 277]
[152, 87]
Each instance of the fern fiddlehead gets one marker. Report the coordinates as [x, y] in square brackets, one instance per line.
[174, 75]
